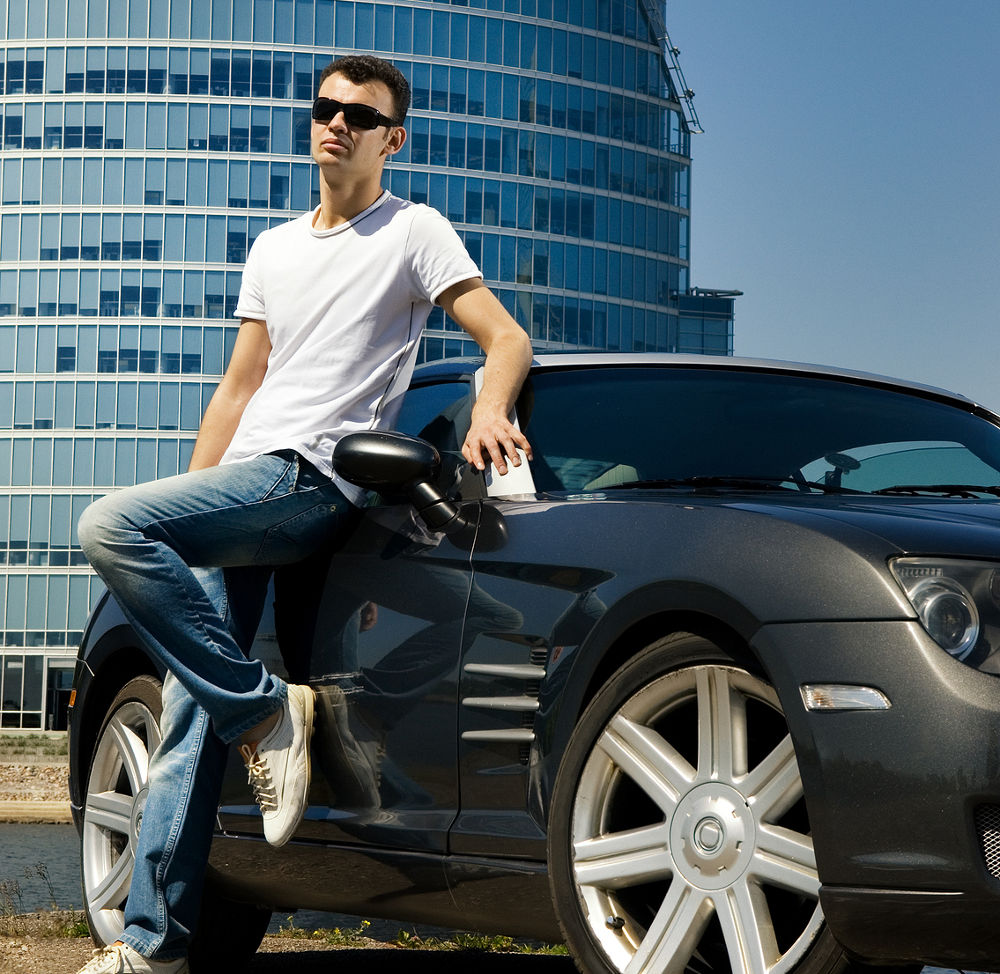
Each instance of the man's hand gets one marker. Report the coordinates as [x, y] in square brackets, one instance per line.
[494, 439]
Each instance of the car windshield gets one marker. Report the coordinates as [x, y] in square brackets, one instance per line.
[725, 430]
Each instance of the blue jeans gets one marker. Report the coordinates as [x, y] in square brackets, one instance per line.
[188, 560]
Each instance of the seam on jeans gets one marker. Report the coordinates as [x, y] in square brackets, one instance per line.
[208, 640]
[144, 528]
[275, 531]
[171, 842]
[290, 463]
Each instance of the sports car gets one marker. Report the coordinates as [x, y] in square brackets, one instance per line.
[710, 684]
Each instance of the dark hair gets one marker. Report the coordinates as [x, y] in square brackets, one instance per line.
[361, 68]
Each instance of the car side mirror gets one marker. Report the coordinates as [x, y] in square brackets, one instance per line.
[393, 463]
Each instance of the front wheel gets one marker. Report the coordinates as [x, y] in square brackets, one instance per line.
[679, 839]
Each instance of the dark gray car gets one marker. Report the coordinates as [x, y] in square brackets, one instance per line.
[711, 684]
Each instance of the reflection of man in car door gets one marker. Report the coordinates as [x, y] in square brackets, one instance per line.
[332, 306]
[378, 629]
[386, 626]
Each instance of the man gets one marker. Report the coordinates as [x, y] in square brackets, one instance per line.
[332, 306]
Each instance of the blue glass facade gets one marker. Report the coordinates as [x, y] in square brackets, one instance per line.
[146, 143]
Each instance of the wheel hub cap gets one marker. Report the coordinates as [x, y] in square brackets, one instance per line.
[135, 819]
[712, 836]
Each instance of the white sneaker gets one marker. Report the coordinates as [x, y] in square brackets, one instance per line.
[279, 770]
[122, 959]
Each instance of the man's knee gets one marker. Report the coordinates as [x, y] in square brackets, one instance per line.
[97, 527]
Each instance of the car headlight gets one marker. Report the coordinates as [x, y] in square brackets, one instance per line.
[948, 613]
[957, 602]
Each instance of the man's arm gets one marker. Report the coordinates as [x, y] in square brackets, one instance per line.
[243, 377]
[492, 437]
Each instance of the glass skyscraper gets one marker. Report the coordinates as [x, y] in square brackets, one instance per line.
[146, 143]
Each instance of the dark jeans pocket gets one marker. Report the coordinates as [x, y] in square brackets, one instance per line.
[317, 510]
[298, 536]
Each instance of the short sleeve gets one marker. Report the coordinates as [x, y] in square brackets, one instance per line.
[436, 255]
[251, 301]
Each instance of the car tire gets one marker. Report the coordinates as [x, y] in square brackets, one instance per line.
[228, 935]
[229, 932]
[679, 839]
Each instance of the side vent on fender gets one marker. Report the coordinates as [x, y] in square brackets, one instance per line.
[530, 676]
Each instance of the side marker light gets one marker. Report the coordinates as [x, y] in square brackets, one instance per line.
[838, 696]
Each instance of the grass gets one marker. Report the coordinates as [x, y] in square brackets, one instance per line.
[59, 922]
[479, 942]
[54, 746]
[54, 923]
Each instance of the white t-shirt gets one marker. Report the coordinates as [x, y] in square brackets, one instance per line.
[344, 310]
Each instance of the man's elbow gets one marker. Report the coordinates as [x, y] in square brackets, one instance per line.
[516, 341]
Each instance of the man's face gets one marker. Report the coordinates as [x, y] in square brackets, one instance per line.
[351, 149]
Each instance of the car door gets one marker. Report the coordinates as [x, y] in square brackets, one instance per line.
[536, 595]
[375, 626]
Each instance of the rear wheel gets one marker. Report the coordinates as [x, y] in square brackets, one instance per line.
[679, 837]
[112, 816]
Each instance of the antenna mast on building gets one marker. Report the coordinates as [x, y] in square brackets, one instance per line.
[673, 65]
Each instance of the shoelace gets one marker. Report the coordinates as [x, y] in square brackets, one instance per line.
[100, 957]
[259, 778]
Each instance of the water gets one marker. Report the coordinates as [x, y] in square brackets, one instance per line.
[57, 848]
[54, 847]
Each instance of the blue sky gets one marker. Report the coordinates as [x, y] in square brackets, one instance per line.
[848, 181]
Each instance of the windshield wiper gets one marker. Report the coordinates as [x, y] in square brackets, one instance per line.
[783, 484]
[947, 490]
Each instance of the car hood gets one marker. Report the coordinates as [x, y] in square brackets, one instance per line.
[939, 526]
[778, 558]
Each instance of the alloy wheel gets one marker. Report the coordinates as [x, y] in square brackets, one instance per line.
[689, 836]
[116, 795]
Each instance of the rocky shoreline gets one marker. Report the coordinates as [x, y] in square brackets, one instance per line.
[34, 782]
[34, 793]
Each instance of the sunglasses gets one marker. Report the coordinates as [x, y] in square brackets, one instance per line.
[356, 115]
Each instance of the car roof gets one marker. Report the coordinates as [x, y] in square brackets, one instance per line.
[542, 361]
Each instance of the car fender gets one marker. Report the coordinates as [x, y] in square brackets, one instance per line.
[631, 623]
[109, 646]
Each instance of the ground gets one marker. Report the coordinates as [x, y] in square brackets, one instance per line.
[33, 789]
[37, 944]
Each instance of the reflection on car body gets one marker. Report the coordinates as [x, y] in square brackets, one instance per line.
[710, 684]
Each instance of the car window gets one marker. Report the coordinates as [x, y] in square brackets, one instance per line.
[912, 462]
[440, 412]
[433, 410]
[600, 428]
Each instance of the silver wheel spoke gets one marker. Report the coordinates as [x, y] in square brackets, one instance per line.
[109, 810]
[111, 891]
[723, 846]
[747, 928]
[118, 775]
[786, 859]
[774, 785]
[624, 858]
[722, 729]
[653, 764]
[135, 758]
[674, 933]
